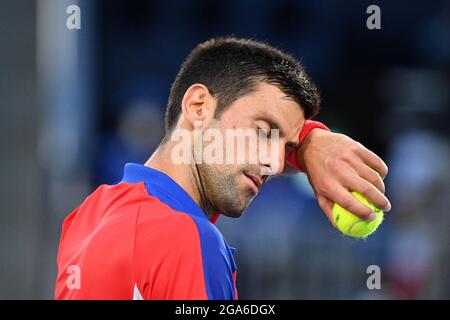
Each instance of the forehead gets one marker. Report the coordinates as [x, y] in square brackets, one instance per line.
[267, 101]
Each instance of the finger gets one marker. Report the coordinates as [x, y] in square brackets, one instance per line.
[346, 200]
[373, 161]
[327, 207]
[369, 191]
[368, 174]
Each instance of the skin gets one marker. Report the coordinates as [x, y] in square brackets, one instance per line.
[333, 162]
[336, 164]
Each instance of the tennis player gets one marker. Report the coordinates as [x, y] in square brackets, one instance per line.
[153, 235]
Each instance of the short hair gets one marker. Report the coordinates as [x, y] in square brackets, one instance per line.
[231, 68]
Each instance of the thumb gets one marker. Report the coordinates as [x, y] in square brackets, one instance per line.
[327, 206]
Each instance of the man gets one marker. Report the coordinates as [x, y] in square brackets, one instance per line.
[152, 236]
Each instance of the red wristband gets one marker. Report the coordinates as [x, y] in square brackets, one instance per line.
[307, 127]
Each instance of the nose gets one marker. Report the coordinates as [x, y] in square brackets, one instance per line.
[273, 162]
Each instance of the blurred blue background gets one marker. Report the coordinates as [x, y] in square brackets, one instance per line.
[76, 105]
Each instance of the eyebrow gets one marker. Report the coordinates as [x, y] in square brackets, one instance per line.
[275, 125]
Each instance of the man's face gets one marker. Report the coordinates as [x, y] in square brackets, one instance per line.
[230, 187]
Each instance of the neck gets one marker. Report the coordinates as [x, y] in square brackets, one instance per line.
[186, 175]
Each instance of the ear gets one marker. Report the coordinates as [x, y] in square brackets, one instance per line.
[198, 105]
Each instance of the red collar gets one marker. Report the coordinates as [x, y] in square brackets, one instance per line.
[214, 217]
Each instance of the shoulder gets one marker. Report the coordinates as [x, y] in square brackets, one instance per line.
[158, 220]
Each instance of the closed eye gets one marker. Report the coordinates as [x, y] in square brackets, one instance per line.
[266, 133]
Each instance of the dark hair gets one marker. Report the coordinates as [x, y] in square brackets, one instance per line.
[231, 67]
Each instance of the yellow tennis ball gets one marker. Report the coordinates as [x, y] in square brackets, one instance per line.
[353, 226]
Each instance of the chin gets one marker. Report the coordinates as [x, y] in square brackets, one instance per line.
[232, 214]
[233, 211]
[233, 204]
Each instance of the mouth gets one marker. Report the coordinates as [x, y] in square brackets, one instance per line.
[255, 182]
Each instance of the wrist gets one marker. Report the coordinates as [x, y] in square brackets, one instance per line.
[310, 129]
[309, 126]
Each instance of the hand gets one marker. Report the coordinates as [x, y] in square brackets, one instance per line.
[335, 165]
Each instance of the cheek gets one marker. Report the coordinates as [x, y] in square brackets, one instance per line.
[234, 118]
[232, 179]
[221, 175]
[231, 172]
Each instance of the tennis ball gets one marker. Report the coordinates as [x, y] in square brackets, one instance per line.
[353, 226]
